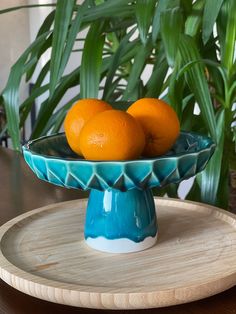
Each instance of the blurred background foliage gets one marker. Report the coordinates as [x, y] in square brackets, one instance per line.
[187, 47]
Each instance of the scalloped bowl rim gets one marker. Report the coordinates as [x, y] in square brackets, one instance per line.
[26, 148]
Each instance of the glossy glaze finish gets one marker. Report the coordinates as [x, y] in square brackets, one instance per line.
[52, 160]
[121, 207]
[121, 215]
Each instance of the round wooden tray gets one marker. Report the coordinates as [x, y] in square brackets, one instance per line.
[44, 255]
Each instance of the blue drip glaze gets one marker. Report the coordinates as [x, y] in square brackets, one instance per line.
[114, 214]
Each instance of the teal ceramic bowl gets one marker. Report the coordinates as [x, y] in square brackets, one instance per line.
[120, 213]
[52, 160]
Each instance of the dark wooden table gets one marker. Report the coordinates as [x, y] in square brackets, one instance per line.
[21, 191]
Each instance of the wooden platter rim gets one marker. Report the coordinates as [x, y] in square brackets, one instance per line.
[8, 270]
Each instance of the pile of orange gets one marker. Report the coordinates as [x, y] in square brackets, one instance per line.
[96, 131]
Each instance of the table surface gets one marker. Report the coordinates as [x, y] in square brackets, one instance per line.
[21, 191]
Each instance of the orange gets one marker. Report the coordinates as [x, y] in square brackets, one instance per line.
[78, 115]
[159, 122]
[112, 135]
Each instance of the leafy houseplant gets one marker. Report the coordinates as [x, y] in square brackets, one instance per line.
[189, 45]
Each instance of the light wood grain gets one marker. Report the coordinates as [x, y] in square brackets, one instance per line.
[44, 255]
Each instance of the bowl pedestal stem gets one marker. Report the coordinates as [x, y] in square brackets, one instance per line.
[120, 222]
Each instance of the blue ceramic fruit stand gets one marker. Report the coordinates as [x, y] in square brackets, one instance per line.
[120, 215]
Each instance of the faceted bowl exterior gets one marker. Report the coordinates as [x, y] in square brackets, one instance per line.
[52, 160]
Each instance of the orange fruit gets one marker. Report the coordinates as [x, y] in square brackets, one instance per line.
[112, 135]
[78, 115]
[159, 122]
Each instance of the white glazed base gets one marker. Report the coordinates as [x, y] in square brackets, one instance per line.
[120, 245]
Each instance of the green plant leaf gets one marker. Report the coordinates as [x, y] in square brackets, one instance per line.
[144, 15]
[223, 186]
[171, 190]
[45, 27]
[189, 120]
[176, 89]
[63, 15]
[188, 65]
[59, 116]
[73, 31]
[113, 88]
[211, 11]
[26, 106]
[56, 119]
[211, 53]
[162, 5]
[121, 25]
[136, 70]
[194, 20]
[197, 82]
[210, 177]
[221, 25]
[131, 51]
[48, 106]
[121, 105]
[37, 90]
[195, 192]
[186, 5]
[230, 37]
[155, 83]
[108, 9]
[36, 54]
[115, 62]
[171, 19]
[91, 67]
[11, 92]
[42, 75]
[26, 7]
